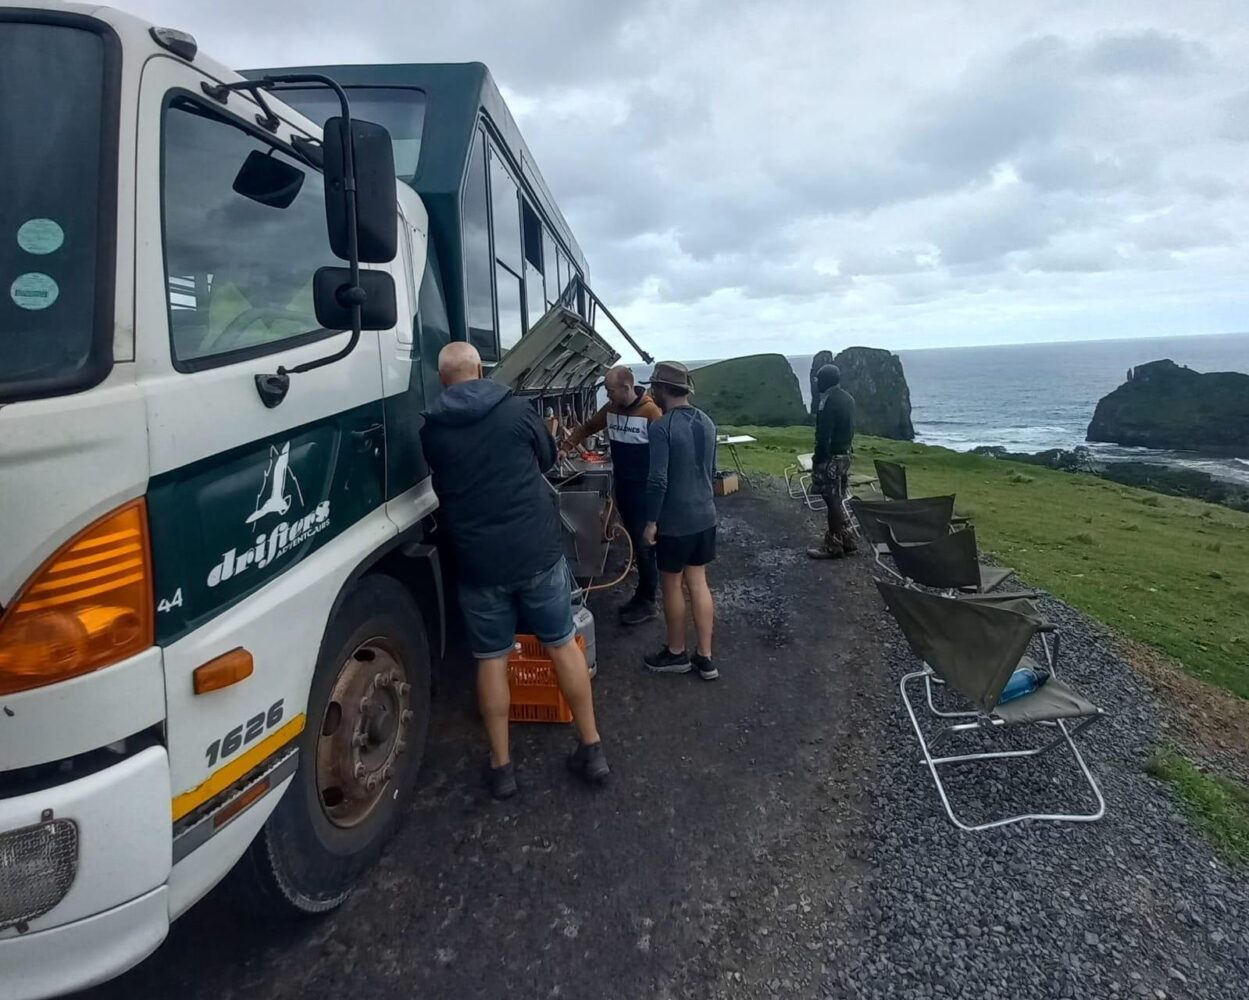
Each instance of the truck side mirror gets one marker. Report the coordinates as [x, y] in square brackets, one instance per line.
[377, 214]
[332, 299]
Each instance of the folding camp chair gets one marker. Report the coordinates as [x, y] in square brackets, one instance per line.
[974, 645]
[892, 479]
[948, 562]
[919, 520]
[798, 482]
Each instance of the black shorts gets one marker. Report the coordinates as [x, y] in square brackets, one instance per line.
[675, 552]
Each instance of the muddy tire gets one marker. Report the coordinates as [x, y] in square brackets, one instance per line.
[359, 755]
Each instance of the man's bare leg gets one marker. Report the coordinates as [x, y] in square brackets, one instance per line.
[674, 610]
[703, 607]
[573, 676]
[495, 699]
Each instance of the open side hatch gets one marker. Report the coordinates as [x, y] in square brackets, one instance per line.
[562, 353]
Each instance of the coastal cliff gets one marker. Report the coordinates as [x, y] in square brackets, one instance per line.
[1164, 405]
[875, 379]
[760, 389]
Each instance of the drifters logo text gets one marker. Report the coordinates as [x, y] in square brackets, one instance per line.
[279, 493]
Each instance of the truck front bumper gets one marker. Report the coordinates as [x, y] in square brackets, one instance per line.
[104, 842]
[86, 952]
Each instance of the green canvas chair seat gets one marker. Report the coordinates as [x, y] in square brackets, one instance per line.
[919, 520]
[1052, 701]
[948, 562]
[973, 646]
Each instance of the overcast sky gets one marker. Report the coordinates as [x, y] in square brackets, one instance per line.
[791, 175]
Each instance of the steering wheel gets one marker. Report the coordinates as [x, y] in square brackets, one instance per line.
[228, 338]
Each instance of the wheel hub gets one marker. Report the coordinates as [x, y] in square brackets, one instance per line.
[363, 732]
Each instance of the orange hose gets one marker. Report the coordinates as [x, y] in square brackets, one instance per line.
[615, 532]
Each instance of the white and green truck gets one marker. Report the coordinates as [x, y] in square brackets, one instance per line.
[220, 589]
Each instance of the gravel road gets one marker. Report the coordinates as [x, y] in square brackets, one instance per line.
[770, 834]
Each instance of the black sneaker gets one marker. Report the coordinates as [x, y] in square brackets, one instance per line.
[502, 781]
[667, 662]
[706, 669]
[589, 761]
[638, 611]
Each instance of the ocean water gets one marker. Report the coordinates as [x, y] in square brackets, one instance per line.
[1030, 397]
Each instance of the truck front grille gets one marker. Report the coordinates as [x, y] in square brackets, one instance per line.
[37, 867]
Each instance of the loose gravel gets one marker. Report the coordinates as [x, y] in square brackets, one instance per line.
[1135, 905]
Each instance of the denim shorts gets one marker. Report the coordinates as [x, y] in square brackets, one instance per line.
[540, 605]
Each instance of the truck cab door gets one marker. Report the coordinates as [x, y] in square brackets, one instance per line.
[241, 495]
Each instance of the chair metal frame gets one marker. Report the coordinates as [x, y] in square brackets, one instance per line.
[986, 723]
[795, 474]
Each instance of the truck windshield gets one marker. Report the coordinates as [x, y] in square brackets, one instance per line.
[401, 110]
[55, 335]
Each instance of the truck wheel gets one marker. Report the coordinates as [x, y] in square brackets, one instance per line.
[359, 754]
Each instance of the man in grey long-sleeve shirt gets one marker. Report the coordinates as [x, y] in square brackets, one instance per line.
[681, 518]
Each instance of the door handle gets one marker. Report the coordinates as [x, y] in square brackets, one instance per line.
[367, 432]
[363, 438]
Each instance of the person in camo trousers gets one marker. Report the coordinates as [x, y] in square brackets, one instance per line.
[830, 465]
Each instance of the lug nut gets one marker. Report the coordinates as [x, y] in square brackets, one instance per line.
[400, 747]
[365, 702]
[382, 680]
[360, 739]
[371, 783]
[389, 772]
[407, 715]
[359, 770]
[403, 689]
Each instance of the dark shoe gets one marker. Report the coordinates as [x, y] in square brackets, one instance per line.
[503, 781]
[706, 669]
[848, 543]
[589, 761]
[667, 662]
[636, 612]
[820, 552]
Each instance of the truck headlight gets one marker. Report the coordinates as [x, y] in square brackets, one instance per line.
[37, 867]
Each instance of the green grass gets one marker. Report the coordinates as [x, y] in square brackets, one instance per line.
[1218, 806]
[1166, 571]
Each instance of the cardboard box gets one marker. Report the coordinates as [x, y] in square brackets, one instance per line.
[726, 483]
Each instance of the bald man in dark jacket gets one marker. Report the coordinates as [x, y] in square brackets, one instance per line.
[487, 451]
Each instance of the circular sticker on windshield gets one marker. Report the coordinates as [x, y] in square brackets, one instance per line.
[34, 290]
[40, 236]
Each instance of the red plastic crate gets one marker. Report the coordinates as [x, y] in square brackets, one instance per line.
[536, 696]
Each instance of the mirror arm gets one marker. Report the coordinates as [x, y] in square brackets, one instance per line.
[277, 385]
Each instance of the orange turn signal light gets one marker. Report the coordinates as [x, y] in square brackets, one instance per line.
[87, 607]
[226, 669]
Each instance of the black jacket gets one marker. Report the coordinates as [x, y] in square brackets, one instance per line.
[487, 451]
[834, 425]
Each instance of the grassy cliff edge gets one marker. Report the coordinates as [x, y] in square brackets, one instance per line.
[1169, 572]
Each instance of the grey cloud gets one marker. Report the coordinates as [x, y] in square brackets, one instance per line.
[1235, 124]
[1147, 53]
[991, 114]
[1063, 167]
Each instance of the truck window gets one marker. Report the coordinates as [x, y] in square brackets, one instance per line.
[400, 109]
[239, 267]
[57, 105]
[479, 293]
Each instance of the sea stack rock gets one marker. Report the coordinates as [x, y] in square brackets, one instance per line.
[819, 361]
[760, 389]
[1164, 405]
[882, 398]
